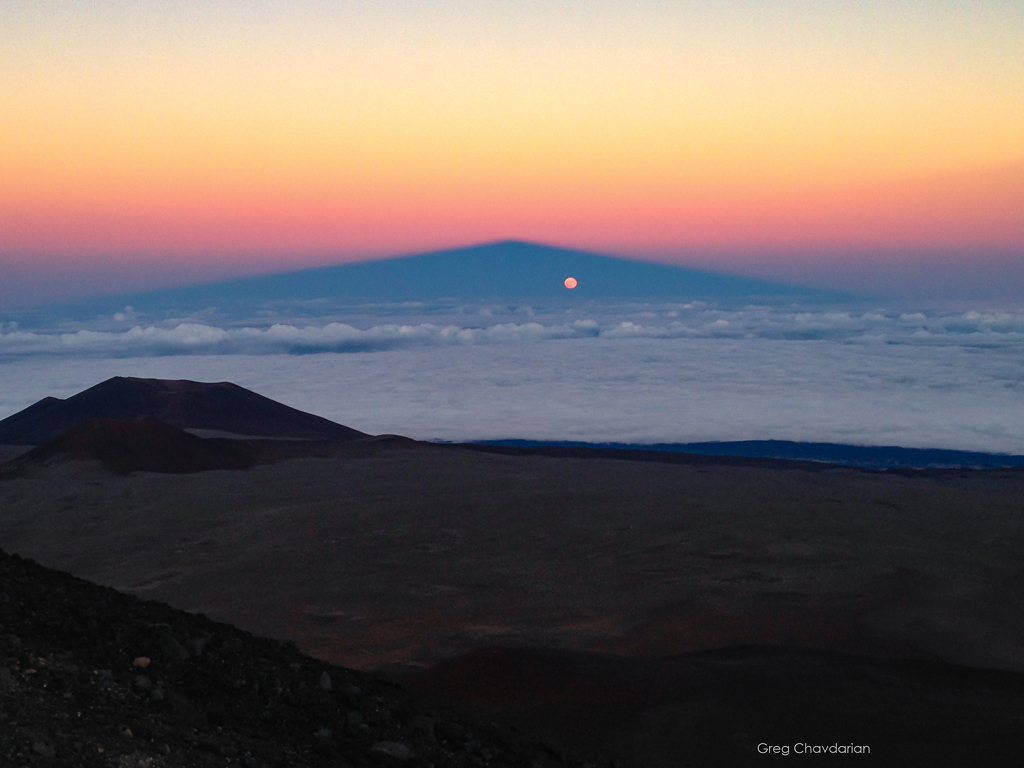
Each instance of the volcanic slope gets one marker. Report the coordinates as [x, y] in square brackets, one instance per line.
[142, 444]
[93, 677]
[214, 408]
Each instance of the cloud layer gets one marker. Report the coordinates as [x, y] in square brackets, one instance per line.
[109, 337]
[640, 374]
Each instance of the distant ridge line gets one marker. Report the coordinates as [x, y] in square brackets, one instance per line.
[861, 456]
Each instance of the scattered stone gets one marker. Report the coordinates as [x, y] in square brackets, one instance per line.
[195, 646]
[452, 732]
[240, 702]
[325, 681]
[142, 684]
[393, 750]
[354, 719]
[43, 749]
[172, 649]
[425, 726]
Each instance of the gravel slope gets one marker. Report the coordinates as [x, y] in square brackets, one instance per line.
[93, 677]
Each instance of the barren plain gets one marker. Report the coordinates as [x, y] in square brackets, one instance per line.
[398, 553]
[590, 601]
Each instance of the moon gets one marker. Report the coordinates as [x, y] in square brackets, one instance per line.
[571, 282]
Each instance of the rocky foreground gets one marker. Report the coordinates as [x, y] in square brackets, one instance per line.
[93, 677]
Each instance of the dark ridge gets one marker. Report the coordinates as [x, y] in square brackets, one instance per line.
[142, 444]
[221, 406]
[864, 456]
[93, 678]
[34, 411]
[272, 451]
[714, 708]
[594, 451]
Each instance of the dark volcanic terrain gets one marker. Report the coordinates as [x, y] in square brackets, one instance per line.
[654, 608]
[91, 677]
[211, 409]
[396, 552]
[715, 707]
[142, 444]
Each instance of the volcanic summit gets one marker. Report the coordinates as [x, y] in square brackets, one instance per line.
[217, 409]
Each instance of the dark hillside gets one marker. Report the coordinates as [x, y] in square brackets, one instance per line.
[92, 677]
[220, 406]
[143, 444]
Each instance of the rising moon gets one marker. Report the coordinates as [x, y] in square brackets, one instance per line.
[570, 283]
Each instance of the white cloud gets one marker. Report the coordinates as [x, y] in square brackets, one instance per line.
[198, 338]
[670, 373]
[194, 336]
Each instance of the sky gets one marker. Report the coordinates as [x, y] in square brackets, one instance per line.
[857, 145]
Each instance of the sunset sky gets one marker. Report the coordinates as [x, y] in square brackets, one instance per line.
[846, 143]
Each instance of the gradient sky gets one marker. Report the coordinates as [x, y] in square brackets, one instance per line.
[846, 143]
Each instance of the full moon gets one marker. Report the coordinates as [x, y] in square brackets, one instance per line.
[570, 283]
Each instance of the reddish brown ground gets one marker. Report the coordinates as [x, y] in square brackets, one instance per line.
[142, 444]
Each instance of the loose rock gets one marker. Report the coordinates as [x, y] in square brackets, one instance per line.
[172, 649]
[425, 726]
[452, 732]
[95, 703]
[394, 750]
[142, 684]
[354, 719]
[325, 681]
[44, 749]
[195, 646]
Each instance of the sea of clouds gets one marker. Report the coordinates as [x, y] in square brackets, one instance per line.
[940, 378]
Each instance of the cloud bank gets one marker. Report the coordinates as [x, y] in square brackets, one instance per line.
[949, 379]
[197, 337]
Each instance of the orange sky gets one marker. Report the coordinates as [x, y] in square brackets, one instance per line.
[234, 136]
